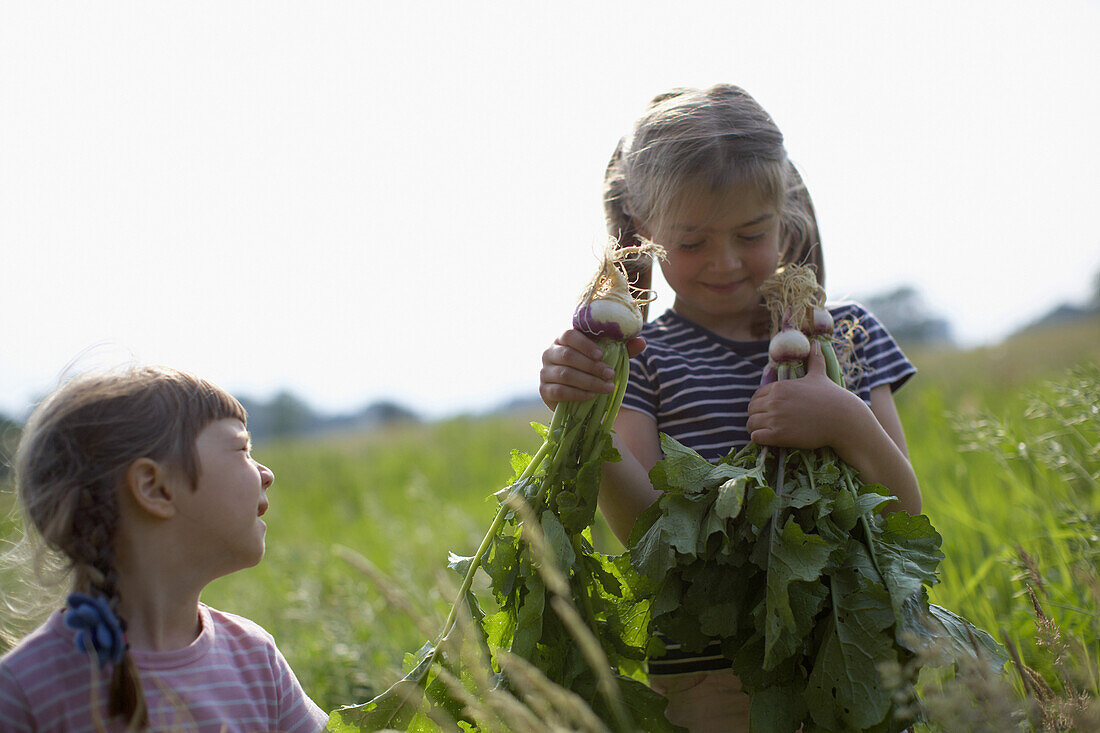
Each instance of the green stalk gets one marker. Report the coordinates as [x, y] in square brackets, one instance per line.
[786, 371]
[586, 583]
[548, 446]
[863, 520]
[570, 421]
[622, 370]
[832, 364]
[570, 416]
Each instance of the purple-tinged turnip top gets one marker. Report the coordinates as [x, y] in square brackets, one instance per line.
[608, 309]
[613, 315]
[822, 323]
[771, 373]
[789, 345]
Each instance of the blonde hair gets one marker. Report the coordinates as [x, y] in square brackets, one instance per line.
[714, 138]
[72, 459]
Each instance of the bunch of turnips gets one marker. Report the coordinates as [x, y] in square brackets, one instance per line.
[798, 568]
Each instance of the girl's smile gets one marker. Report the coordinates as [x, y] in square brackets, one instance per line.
[723, 288]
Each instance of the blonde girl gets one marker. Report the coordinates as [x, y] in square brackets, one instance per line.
[143, 482]
[705, 174]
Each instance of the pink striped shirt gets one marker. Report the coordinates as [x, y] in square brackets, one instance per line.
[231, 678]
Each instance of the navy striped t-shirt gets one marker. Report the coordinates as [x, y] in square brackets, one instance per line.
[697, 386]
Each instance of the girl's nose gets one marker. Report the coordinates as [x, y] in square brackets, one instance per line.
[727, 258]
[267, 476]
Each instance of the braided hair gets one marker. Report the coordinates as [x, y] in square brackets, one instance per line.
[717, 137]
[72, 461]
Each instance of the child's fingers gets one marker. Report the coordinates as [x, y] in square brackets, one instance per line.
[572, 378]
[574, 339]
[635, 346]
[571, 371]
[579, 359]
[815, 365]
[553, 393]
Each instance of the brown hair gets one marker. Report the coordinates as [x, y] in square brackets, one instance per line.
[716, 137]
[73, 457]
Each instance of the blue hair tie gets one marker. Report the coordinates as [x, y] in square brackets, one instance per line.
[97, 628]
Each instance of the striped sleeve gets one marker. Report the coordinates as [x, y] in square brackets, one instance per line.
[15, 710]
[297, 712]
[878, 358]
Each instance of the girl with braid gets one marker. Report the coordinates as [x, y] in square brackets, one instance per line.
[143, 482]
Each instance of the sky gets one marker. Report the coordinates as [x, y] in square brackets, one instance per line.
[363, 200]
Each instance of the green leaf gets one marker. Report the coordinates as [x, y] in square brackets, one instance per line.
[560, 547]
[669, 597]
[807, 600]
[794, 555]
[644, 521]
[680, 525]
[777, 709]
[946, 638]
[500, 627]
[397, 706]
[501, 565]
[872, 498]
[645, 706]
[520, 461]
[761, 505]
[844, 513]
[529, 618]
[907, 548]
[731, 496]
[651, 555]
[871, 503]
[682, 470]
[459, 563]
[712, 525]
[438, 694]
[844, 689]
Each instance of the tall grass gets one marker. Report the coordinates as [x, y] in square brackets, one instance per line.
[1008, 455]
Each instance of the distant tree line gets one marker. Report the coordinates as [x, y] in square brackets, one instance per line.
[911, 321]
[907, 317]
[283, 415]
[1067, 312]
[286, 414]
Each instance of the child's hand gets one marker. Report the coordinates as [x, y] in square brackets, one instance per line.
[572, 370]
[809, 412]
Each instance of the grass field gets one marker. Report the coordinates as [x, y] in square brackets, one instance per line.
[1004, 441]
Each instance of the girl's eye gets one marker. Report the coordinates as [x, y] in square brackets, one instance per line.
[689, 245]
[752, 238]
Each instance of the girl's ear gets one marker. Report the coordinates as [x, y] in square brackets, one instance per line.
[151, 488]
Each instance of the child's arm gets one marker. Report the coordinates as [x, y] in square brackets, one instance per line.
[572, 371]
[813, 412]
[625, 488]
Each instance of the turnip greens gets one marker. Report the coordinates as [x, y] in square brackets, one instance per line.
[557, 617]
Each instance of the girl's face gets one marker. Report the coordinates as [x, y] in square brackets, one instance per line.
[230, 495]
[721, 246]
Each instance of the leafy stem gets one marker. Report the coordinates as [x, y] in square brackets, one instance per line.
[864, 521]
